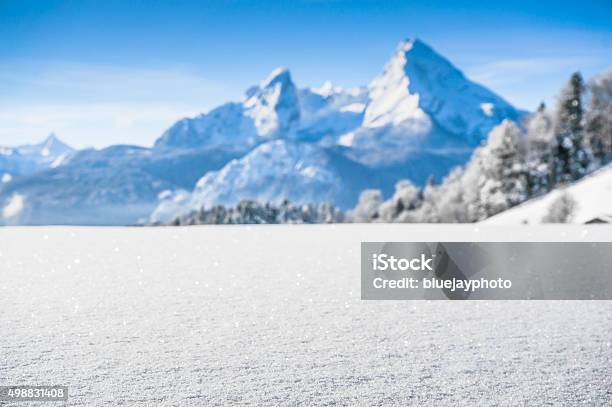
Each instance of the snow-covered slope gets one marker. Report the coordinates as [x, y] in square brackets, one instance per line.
[328, 112]
[593, 196]
[273, 171]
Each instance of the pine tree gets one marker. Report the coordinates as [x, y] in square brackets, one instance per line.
[367, 206]
[539, 154]
[571, 158]
[447, 204]
[253, 212]
[407, 198]
[598, 126]
[495, 179]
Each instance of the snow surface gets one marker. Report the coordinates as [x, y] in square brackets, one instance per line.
[593, 196]
[271, 315]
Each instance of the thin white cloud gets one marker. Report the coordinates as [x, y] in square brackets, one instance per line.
[520, 70]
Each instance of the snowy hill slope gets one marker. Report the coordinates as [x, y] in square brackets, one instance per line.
[284, 169]
[593, 195]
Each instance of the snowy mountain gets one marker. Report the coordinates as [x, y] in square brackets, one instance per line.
[269, 110]
[273, 109]
[592, 195]
[277, 170]
[421, 102]
[117, 185]
[28, 159]
[419, 117]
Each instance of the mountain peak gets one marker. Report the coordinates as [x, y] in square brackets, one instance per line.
[420, 88]
[279, 75]
[406, 44]
[51, 138]
[53, 145]
[417, 52]
[273, 105]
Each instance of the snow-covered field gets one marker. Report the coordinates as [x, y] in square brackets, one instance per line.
[272, 315]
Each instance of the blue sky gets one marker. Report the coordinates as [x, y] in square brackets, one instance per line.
[105, 72]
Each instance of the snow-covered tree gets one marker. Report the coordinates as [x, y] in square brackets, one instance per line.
[252, 212]
[446, 204]
[539, 155]
[495, 178]
[328, 213]
[598, 127]
[367, 206]
[571, 156]
[561, 210]
[428, 211]
[406, 198]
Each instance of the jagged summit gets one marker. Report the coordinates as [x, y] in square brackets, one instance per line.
[52, 144]
[278, 75]
[270, 109]
[421, 101]
[273, 105]
[50, 148]
[51, 138]
[418, 86]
